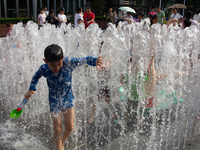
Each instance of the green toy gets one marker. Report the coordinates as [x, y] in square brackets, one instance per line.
[15, 113]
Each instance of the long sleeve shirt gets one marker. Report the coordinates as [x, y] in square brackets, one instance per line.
[60, 83]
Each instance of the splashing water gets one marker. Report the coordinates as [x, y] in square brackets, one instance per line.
[168, 124]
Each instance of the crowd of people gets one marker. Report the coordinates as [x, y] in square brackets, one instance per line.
[49, 17]
[114, 17]
[157, 16]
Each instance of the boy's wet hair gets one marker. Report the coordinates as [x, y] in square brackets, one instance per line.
[53, 53]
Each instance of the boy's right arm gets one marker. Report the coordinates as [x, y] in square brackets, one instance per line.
[34, 82]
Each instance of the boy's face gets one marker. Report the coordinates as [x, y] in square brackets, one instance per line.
[54, 66]
[41, 11]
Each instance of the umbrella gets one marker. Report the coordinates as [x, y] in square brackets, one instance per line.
[181, 6]
[128, 9]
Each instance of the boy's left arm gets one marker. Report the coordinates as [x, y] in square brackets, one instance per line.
[92, 61]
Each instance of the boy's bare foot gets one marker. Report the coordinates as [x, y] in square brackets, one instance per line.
[91, 120]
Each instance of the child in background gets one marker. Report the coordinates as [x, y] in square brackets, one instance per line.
[154, 19]
[69, 17]
[140, 17]
[41, 18]
[128, 18]
[46, 11]
[10, 26]
[58, 71]
[61, 16]
[78, 15]
[79, 21]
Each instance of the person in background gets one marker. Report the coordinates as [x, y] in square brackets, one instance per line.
[186, 23]
[176, 15]
[88, 17]
[69, 17]
[104, 14]
[78, 15]
[9, 26]
[115, 17]
[171, 13]
[45, 11]
[140, 17]
[110, 17]
[154, 19]
[120, 15]
[197, 16]
[161, 15]
[61, 16]
[52, 19]
[152, 12]
[188, 16]
[149, 19]
[128, 18]
[79, 21]
[41, 17]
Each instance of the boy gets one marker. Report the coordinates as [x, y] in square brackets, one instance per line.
[41, 17]
[58, 71]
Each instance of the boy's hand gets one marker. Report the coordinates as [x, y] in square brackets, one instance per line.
[98, 62]
[28, 94]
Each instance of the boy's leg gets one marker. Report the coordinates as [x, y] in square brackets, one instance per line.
[57, 128]
[69, 123]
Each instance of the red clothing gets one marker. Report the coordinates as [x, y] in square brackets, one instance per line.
[150, 102]
[87, 17]
[152, 13]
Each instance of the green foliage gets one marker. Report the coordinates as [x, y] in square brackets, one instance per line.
[14, 20]
[100, 18]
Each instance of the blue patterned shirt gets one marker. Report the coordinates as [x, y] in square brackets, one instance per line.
[60, 83]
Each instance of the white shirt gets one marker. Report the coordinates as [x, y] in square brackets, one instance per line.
[77, 16]
[61, 17]
[193, 23]
[42, 18]
[176, 16]
[197, 17]
[69, 17]
[46, 12]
